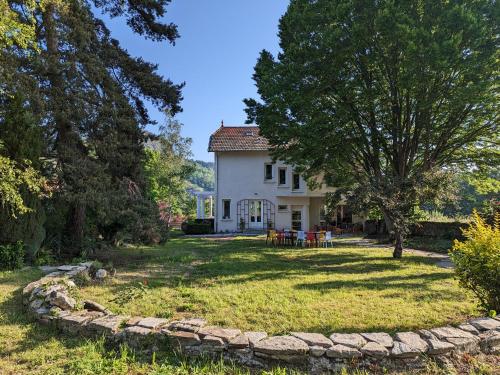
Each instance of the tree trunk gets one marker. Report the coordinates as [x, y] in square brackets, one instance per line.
[75, 229]
[398, 245]
[389, 225]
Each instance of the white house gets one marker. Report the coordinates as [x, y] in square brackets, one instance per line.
[253, 193]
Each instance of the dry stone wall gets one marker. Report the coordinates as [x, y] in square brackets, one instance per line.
[50, 301]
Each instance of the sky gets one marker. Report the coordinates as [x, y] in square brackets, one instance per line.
[215, 56]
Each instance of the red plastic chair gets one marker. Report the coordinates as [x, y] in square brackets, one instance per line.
[281, 237]
[311, 238]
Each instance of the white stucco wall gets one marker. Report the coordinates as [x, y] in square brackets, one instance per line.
[240, 175]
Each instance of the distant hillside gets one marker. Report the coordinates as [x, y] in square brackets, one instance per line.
[203, 177]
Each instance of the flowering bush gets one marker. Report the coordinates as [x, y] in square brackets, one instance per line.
[477, 261]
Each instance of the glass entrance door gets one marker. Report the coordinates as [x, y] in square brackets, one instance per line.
[255, 208]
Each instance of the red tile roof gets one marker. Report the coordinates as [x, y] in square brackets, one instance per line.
[237, 138]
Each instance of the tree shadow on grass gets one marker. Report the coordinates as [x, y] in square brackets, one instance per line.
[244, 260]
[415, 282]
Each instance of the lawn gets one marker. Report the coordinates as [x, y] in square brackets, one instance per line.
[241, 283]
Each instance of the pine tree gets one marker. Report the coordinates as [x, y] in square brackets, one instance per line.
[90, 96]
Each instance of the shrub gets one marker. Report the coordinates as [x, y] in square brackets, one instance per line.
[198, 226]
[448, 230]
[12, 256]
[477, 261]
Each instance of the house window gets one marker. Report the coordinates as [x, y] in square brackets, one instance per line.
[226, 208]
[322, 217]
[268, 171]
[297, 219]
[282, 207]
[296, 181]
[282, 176]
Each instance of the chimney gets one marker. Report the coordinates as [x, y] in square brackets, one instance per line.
[222, 123]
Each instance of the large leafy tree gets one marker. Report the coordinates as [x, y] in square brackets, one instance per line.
[380, 96]
[167, 169]
[90, 96]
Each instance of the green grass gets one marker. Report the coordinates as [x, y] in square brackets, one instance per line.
[240, 283]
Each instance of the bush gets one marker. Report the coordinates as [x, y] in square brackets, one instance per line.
[477, 261]
[448, 230]
[198, 226]
[12, 256]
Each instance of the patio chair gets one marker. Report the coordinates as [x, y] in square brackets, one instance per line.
[328, 239]
[311, 238]
[288, 237]
[321, 238]
[271, 237]
[280, 236]
[301, 238]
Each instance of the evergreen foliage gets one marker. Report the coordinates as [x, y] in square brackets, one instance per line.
[80, 134]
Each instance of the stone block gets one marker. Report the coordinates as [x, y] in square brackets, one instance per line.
[485, 324]
[254, 337]
[313, 339]
[62, 300]
[139, 337]
[444, 333]
[437, 347]
[402, 350]
[153, 323]
[239, 342]
[67, 268]
[107, 325]
[212, 341]
[343, 352]
[317, 351]
[381, 338]
[468, 328]
[47, 269]
[426, 334]
[225, 334]
[413, 340]
[279, 346]
[182, 339]
[94, 306]
[464, 345]
[188, 325]
[374, 349]
[490, 341]
[354, 340]
[76, 322]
